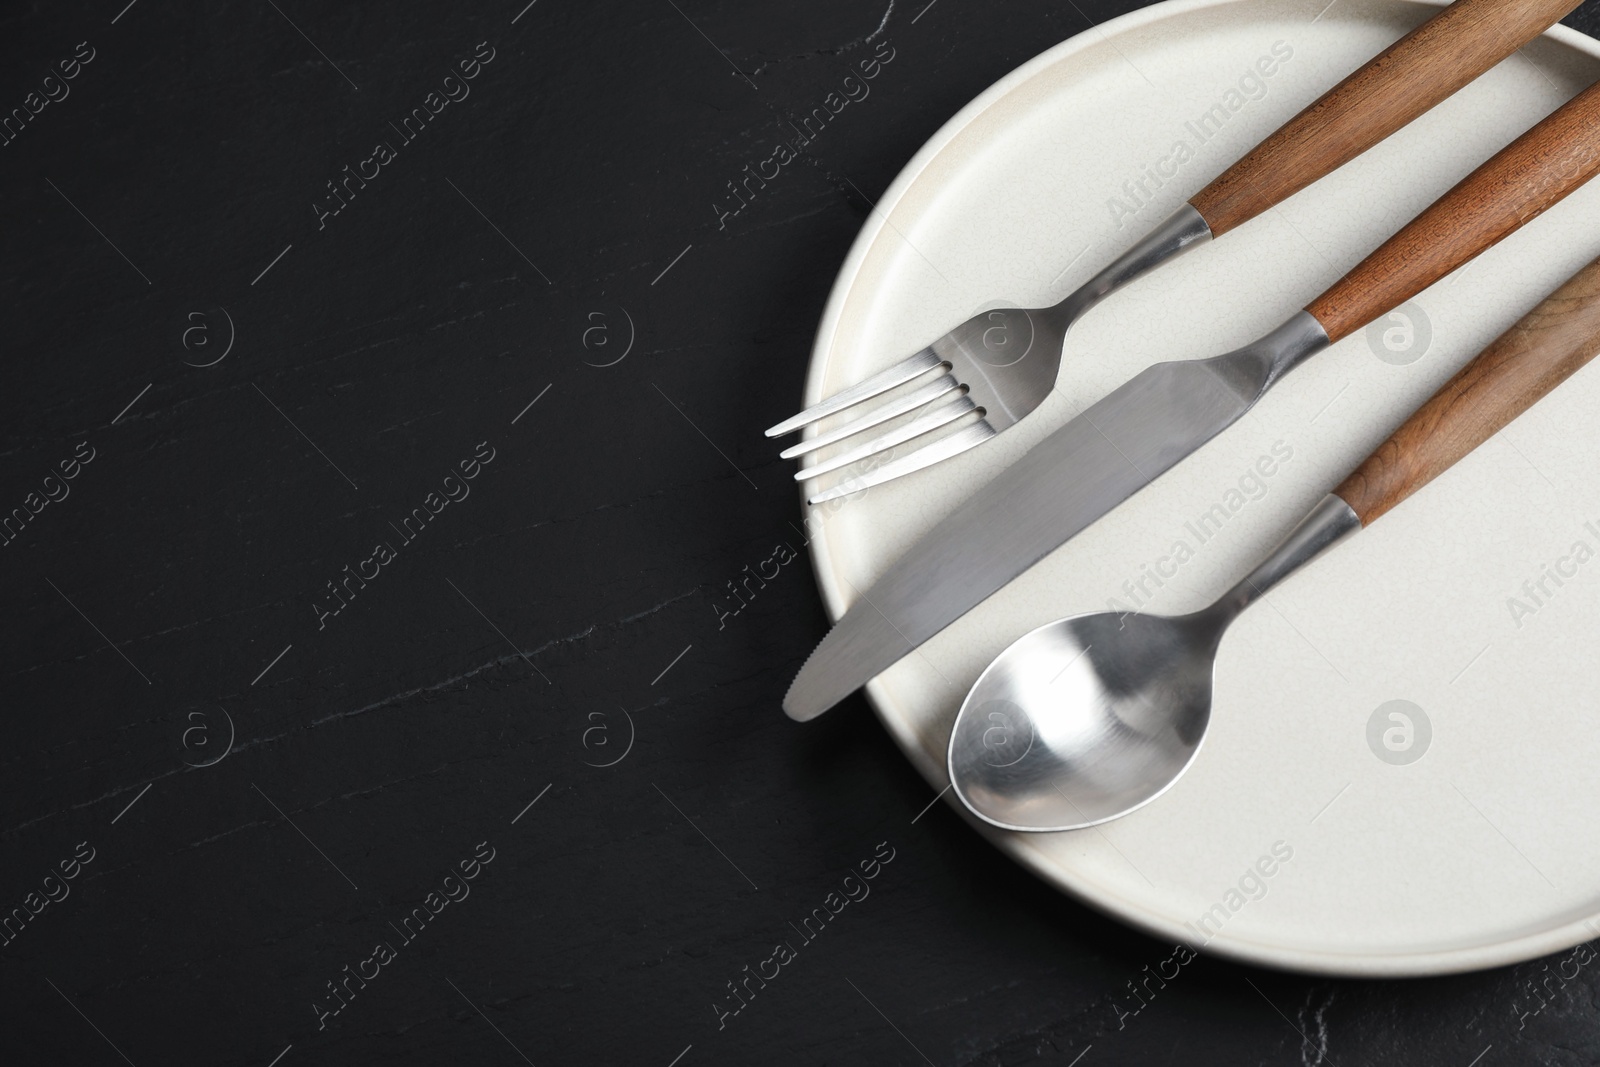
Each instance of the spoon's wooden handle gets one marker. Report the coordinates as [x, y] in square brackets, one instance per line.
[1408, 78]
[1513, 188]
[1504, 380]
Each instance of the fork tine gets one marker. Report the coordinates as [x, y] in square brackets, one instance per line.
[883, 413]
[956, 443]
[926, 423]
[881, 382]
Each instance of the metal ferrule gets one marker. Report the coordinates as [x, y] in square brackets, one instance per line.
[1330, 522]
[1253, 369]
[1180, 231]
[1291, 344]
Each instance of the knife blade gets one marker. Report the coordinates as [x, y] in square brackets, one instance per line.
[1061, 485]
[1138, 432]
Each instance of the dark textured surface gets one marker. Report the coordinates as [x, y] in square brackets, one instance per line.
[521, 637]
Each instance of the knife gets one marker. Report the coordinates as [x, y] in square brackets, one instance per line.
[1411, 76]
[1125, 441]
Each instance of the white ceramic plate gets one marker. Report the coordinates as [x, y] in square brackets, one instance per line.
[1480, 852]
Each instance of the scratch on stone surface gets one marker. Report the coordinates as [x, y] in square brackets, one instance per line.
[658, 607]
[849, 46]
[576, 516]
[445, 324]
[394, 698]
[153, 634]
[240, 747]
[1035, 1043]
[1318, 1022]
[500, 661]
[407, 422]
[226, 833]
[883, 24]
[364, 791]
[90, 803]
[827, 205]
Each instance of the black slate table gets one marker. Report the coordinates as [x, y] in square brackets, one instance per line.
[370, 689]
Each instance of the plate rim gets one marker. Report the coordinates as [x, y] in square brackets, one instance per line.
[1366, 964]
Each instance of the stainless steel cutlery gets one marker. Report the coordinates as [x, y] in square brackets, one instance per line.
[994, 369]
[1088, 718]
[1139, 431]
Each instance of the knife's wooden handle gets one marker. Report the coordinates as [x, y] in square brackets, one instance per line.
[1522, 365]
[1513, 188]
[1406, 79]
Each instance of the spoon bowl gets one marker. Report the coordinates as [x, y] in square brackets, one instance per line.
[1085, 719]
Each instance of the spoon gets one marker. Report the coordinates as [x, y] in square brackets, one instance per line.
[1088, 718]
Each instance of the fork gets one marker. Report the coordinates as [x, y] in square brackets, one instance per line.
[985, 381]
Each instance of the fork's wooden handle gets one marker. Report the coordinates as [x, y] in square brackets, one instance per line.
[1494, 201]
[1406, 79]
[1521, 366]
